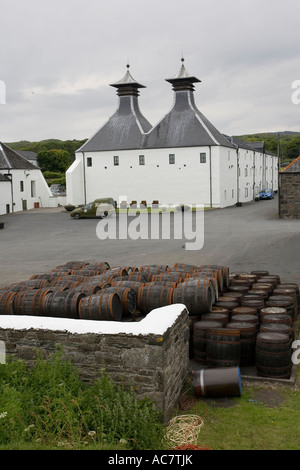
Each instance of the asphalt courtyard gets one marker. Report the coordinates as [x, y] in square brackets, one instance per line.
[245, 238]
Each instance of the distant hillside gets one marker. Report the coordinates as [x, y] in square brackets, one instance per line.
[50, 144]
[289, 142]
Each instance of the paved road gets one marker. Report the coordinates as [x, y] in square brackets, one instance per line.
[243, 238]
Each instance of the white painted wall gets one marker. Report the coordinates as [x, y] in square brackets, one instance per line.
[33, 190]
[5, 196]
[188, 181]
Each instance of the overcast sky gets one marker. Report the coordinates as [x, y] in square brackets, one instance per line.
[58, 57]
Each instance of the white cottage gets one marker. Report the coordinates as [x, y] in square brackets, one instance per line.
[183, 159]
[22, 185]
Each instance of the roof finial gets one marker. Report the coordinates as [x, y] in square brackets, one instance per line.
[182, 58]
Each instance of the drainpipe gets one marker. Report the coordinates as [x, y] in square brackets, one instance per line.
[84, 181]
[210, 177]
[237, 176]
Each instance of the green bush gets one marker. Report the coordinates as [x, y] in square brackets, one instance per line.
[48, 175]
[49, 405]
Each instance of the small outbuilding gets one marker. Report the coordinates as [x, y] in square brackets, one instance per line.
[289, 191]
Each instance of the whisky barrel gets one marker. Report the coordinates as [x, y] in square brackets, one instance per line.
[218, 317]
[128, 298]
[248, 332]
[223, 347]
[246, 318]
[278, 328]
[31, 302]
[7, 302]
[273, 355]
[63, 304]
[200, 329]
[283, 302]
[197, 299]
[150, 297]
[103, 306]
[244, 311]
[217, 382]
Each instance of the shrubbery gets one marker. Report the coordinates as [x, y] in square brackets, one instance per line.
[49, 405]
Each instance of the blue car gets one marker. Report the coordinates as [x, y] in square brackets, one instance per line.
[266, 194]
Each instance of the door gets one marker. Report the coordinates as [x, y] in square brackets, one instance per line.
[24, 204]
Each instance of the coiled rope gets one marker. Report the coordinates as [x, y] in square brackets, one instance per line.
[183, 430]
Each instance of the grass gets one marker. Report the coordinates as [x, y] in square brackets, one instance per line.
[48, 407]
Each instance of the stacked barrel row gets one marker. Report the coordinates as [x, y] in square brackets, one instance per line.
[100, 292]
[251, 324]
[235, 318]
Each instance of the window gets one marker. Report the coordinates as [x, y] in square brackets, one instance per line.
[142, 159]
[33, 190]
[89, 161]
[202, 157]
[21, 186]
[172, 159]
[246, 192]
[116, 160]
[246, 171]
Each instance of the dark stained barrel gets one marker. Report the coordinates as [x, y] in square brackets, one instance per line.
[279, 318]
[223, 347]
[150, 297]
[31, 302]
[254, 303]
[200, 329]
[246, 318]
[210, 283]
[128, 298]
[278, 328]
[273, 355]
[244, 311]
[63, 304]
[218, 317]
[248, 332]
[103, 307]
[135, 285]
[197, 299]
[217, 382]
[7, 302]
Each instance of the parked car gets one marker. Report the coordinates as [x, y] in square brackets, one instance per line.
[266, 194]
[57, 189]
[100, 208]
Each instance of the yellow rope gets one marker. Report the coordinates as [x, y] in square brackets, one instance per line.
[184, 429]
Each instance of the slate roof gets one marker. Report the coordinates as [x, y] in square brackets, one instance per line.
[293, 167]
[4, 178]
[184, 125]
[126, 127]
[12, 160]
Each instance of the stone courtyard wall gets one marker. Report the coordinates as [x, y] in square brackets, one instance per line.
[150, 355]
[289, 196]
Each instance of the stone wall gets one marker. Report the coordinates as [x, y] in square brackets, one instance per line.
[289, 196]
[150, 355]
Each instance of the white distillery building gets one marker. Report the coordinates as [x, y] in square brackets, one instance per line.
[22, 184]
[183, 159]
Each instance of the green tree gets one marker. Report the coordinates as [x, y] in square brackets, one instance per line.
[54, 160]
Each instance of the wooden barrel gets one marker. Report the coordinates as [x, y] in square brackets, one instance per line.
[212, 284]
[290, 294]
[267, 288]
[103, 306]
[278, 328]
[284, 302]
[244, 311]
[246, 318]
[73, 265]
[239, 289]
[248, 332]
[150, 297]
[259, 273]
[128, 298]
[257, 294]
[254, 303]
[200, 329]
[273, 355]
[237, 296]
[279, 318]
[224, 269]
[135, 285]
[137, 276]
[218, 317]
[31, 302]
[217, 382]
[7, 302]
[197, 299]
[88, 288]
[175, 277]
[227, 304]
[223, 347]
[63, 304]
